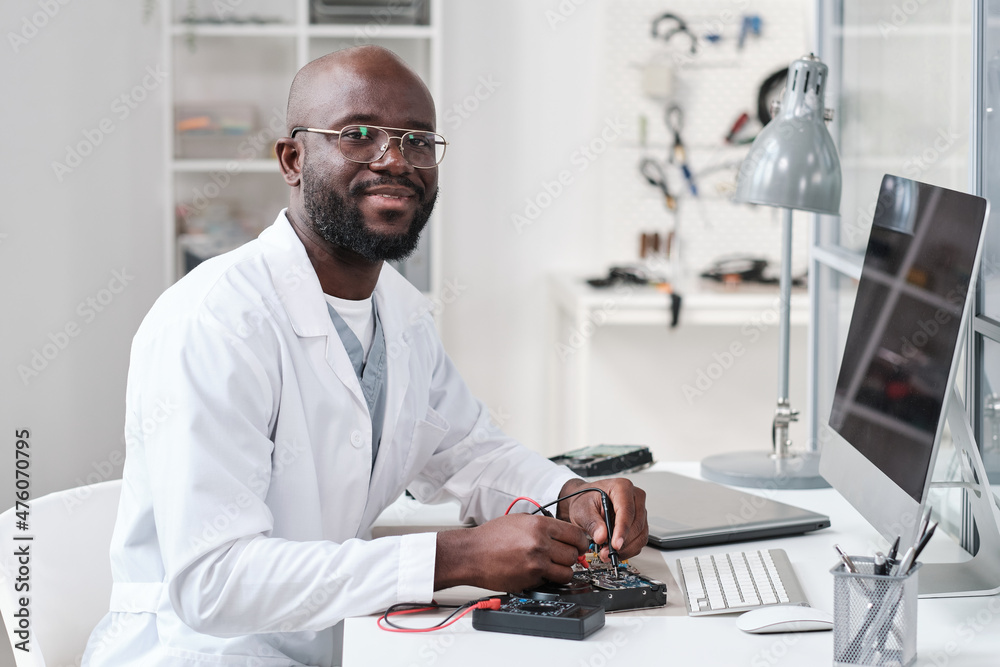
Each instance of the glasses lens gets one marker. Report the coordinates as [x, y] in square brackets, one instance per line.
[363, 143]
[422, 149]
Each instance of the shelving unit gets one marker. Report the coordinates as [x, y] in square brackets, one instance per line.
[231, 63]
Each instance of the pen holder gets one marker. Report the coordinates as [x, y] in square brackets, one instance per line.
[874, 616]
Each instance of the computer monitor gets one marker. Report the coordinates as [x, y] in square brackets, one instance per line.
[898, 368]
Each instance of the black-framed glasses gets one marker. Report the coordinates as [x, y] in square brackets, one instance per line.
[368, 143]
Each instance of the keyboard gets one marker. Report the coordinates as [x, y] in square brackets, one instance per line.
[738, 581]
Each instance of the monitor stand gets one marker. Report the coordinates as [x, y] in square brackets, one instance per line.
[981, 574]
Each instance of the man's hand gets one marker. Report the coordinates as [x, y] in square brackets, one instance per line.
[509, 553]
[628, 503]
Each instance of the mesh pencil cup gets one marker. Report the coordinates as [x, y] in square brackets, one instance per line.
[874, 616]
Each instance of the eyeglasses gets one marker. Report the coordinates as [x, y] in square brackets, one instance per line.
[368, 143]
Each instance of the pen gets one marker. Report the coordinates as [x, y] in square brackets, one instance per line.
[923, 542]
[911, 554]
[609, 524]
[924, 520]
[848, 563]
[893, 551]
[907, 562]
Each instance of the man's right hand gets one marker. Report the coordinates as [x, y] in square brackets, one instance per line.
[509, 553]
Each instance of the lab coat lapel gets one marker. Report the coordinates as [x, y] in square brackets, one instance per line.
[400, 308]
[301, 296]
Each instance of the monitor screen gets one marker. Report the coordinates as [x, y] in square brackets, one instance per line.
[904, 331]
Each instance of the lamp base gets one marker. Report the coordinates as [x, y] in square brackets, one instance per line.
[760, 470]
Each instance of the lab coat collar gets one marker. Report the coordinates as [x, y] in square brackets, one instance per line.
[301, 295]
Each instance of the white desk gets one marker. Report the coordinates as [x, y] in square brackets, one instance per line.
[954, 632]
[578, 310]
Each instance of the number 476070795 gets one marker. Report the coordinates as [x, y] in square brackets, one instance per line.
[22, 477]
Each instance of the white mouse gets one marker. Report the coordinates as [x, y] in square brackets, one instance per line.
[785, 618]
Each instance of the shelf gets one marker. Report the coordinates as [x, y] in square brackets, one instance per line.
[353, 31]
[892, 162]
[906, 30]
[244, 166]
[663, 146]
[234, 30]
[371, 31]
[707, 304]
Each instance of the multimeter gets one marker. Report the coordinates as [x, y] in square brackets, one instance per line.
[540, 618]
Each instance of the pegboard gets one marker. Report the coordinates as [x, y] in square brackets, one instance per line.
[712, 87]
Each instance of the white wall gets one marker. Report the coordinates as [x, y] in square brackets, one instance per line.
[547, 102]
[61, 241]
[547, 105]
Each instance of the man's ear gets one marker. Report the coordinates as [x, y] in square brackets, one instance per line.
[289, 152]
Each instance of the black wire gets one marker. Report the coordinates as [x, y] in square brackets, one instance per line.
[771, 83]
[405, 606]
[680, 28]
[575, 493]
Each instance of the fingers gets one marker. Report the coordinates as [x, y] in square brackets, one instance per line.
[630, 530]
[568, 534]
[593, 519]
[552, 548]
[622, 495]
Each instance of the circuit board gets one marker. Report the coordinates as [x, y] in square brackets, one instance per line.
[598, 583]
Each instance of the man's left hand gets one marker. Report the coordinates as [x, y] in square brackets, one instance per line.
[628, 502]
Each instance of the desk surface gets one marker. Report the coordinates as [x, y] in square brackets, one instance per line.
[953, 632]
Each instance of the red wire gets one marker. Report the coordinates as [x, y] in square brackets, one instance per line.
[533, 502]
[493, 603]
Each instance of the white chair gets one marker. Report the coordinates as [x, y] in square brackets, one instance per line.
[69, 571]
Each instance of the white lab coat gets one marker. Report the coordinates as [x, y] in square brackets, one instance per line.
[248, 488]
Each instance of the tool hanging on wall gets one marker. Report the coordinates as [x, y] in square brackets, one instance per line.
[769, 91]
[750, 25]
[655, 176]
[675, 26]
[675, 123]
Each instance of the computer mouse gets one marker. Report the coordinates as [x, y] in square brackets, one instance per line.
[785, 618]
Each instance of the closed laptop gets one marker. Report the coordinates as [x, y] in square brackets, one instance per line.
[686, 512]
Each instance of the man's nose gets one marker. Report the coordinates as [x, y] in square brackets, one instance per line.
[392, 160]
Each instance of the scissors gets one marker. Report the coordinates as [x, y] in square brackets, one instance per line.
[655, 176]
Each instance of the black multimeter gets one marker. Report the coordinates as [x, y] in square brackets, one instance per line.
[540, 618]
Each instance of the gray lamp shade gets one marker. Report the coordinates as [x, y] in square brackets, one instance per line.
[793, 162]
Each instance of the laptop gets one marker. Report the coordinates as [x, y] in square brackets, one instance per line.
[686, 512]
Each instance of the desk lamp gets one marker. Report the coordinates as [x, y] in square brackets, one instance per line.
[792, 165]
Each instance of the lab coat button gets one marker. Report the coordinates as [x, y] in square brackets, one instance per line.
[356, 439]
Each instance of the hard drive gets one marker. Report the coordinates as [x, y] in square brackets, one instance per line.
[601, 460]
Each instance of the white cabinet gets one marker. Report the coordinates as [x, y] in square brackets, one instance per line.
[232, 62]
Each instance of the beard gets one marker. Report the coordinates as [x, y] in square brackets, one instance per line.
[340, 222]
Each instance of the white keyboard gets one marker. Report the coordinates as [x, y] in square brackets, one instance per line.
[738, 581]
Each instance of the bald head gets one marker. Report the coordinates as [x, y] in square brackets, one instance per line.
[323, 83]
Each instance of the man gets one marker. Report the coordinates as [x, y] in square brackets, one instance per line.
[282, 395]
